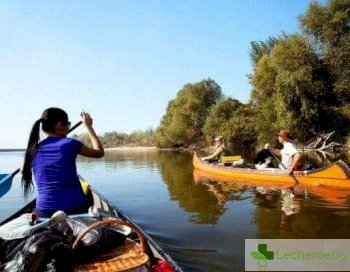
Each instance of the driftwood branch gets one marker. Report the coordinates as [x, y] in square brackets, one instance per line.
[321, 143]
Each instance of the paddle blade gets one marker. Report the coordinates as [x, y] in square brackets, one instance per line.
[6, 182]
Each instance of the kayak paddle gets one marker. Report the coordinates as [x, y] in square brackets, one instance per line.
[6, 182]
[6, 179]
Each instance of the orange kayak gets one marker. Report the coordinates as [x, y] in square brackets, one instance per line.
[336, 174]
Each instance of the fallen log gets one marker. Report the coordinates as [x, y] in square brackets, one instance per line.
[321, 143]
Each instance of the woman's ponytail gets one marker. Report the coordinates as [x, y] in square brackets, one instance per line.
[49, 118]
[34, 137]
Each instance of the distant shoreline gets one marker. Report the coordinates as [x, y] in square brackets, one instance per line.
[106, 149]
[12, 149]
[119, 148]
[138, 148]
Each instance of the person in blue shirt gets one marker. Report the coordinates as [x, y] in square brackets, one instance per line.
[52, 162]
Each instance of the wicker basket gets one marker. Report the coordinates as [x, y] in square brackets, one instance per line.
[128, 257]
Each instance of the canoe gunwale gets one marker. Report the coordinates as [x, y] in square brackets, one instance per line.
[120, 214]
[150, 243]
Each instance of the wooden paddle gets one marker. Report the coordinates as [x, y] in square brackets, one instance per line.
[6, 179]
[284, 167]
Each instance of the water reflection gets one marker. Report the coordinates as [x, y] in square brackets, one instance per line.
[290, 201]
[124, 158]
[203, 221]
[176, 171]
[287, 212]
[225, 192]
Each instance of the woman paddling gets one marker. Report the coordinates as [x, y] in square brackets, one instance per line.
[52, 161]
[219, 150]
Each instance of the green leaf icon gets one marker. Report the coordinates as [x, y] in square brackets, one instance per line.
[259, 257]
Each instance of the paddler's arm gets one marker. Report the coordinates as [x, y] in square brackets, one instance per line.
[274, 150]
[97, 150]
[215, 154]
[295, 163]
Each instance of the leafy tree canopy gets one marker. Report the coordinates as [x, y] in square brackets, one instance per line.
[328, 28]
[186, 114]
[219, 114]
[234, 121]
[120, 139]
[302, 81]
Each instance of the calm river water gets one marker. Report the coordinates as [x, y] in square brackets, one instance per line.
[202, 223]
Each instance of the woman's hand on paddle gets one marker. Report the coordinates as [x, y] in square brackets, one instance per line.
[97, 150]
[86, 118]
[267, 146]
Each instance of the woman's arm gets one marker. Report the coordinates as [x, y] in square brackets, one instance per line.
[215, 154]
[97, 150]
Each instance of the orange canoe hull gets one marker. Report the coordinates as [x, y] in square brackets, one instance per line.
[336, 174]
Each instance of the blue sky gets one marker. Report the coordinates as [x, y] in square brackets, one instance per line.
[124, 60]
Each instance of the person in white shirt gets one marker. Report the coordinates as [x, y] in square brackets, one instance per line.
[291, 158]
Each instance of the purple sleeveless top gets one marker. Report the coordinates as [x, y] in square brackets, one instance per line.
[56, 176]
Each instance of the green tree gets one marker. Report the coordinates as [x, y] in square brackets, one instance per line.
[234, 121]
[261, 48]
[142, 138]
[240, 131]
[114, 139]
[328, 27]
[298, 90]
[186, 114]
[302, 81]
[219, 114]
[292, 88]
